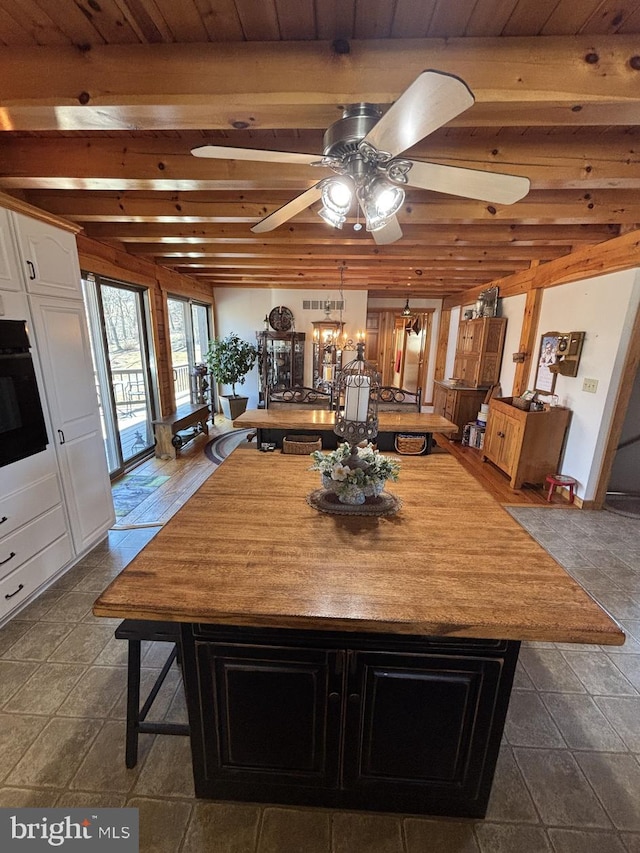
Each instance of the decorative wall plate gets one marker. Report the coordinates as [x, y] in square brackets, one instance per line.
[281, 319]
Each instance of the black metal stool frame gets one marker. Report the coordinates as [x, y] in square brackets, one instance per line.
[135, 631]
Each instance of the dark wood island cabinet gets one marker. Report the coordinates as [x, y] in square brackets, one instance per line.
[350, 661]
[357, 721]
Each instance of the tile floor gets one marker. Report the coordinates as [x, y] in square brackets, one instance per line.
[568, 779]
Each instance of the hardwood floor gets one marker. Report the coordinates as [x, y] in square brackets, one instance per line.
[496, 482]
[186, 475]
[192, 467]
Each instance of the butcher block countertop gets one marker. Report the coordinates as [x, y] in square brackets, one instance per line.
[248, 550]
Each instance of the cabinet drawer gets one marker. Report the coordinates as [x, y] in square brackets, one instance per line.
[25, 543]
[16, 587]
[28, 503]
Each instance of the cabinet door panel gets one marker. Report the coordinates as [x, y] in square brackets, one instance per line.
[70, 390]
[397, 733]
[50, 258]
[9, 275]
[274, 717]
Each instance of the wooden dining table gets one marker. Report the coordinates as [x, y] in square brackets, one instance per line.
[273, 424]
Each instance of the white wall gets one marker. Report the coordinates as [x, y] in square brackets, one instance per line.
[605, 308]
[452, 342]
[243, 311]
[513, 309]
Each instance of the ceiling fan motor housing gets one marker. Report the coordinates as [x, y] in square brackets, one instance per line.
[342, 138]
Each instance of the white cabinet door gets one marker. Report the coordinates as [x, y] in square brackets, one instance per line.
[9, 272]
[49, 258]
[63, 346]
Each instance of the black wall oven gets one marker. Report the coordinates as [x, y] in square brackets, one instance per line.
[22, 427]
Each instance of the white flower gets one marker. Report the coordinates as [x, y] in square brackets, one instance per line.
[340, 472]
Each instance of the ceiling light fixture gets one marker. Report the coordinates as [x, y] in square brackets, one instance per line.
[380, 200]
[337, 196]
[406, 311]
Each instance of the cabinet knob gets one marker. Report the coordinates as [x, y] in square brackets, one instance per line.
[334, 697]
[353, 698]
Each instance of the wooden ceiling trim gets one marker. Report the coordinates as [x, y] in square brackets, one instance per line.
[19, 206]
[619, 253]
[529, 81]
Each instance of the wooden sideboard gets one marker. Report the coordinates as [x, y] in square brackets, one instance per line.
[525, 445]
[457, 403]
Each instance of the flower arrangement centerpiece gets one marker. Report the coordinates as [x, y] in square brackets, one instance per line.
[354, 478]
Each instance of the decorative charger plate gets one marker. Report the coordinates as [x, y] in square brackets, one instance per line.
[281, 319]
[324, 501]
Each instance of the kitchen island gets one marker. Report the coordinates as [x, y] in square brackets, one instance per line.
[350, 661]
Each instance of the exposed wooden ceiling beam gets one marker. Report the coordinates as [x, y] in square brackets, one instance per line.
[549, 161]
[500, 233]
[566, 207]
[547, 80]
[336, 255]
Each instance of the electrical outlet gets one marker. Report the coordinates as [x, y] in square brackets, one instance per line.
[590, 385]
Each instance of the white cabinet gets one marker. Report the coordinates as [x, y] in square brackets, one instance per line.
[49, 258]
[56, 504]
[34, 540]
[65, 356]
[9, 273]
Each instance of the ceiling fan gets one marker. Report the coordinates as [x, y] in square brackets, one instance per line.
[363, 149]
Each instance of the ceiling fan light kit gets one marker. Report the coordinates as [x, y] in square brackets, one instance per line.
[362, 148]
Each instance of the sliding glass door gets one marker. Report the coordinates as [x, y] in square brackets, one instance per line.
[189, 333]
[118, 324]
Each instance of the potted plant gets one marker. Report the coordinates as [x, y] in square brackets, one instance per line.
[353, 485]
[229, 360]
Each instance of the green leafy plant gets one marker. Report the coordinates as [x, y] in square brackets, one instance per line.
[230, 359]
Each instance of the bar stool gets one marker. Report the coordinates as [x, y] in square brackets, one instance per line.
[560, 480]
[135, 631]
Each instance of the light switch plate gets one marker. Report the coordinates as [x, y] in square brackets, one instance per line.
[590, 385]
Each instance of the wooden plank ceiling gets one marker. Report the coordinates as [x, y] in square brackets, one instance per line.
[101, 102]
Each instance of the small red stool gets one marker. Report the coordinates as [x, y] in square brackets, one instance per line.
[560, 480]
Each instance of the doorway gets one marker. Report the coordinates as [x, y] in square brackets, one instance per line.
[117, 315]
[399, 346]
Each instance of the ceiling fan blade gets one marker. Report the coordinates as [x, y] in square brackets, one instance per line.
[221, 152]
[282, 214]
[432, 100]
[389, 233]
[469, 183]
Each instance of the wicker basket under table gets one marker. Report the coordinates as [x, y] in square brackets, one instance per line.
[301, 445]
